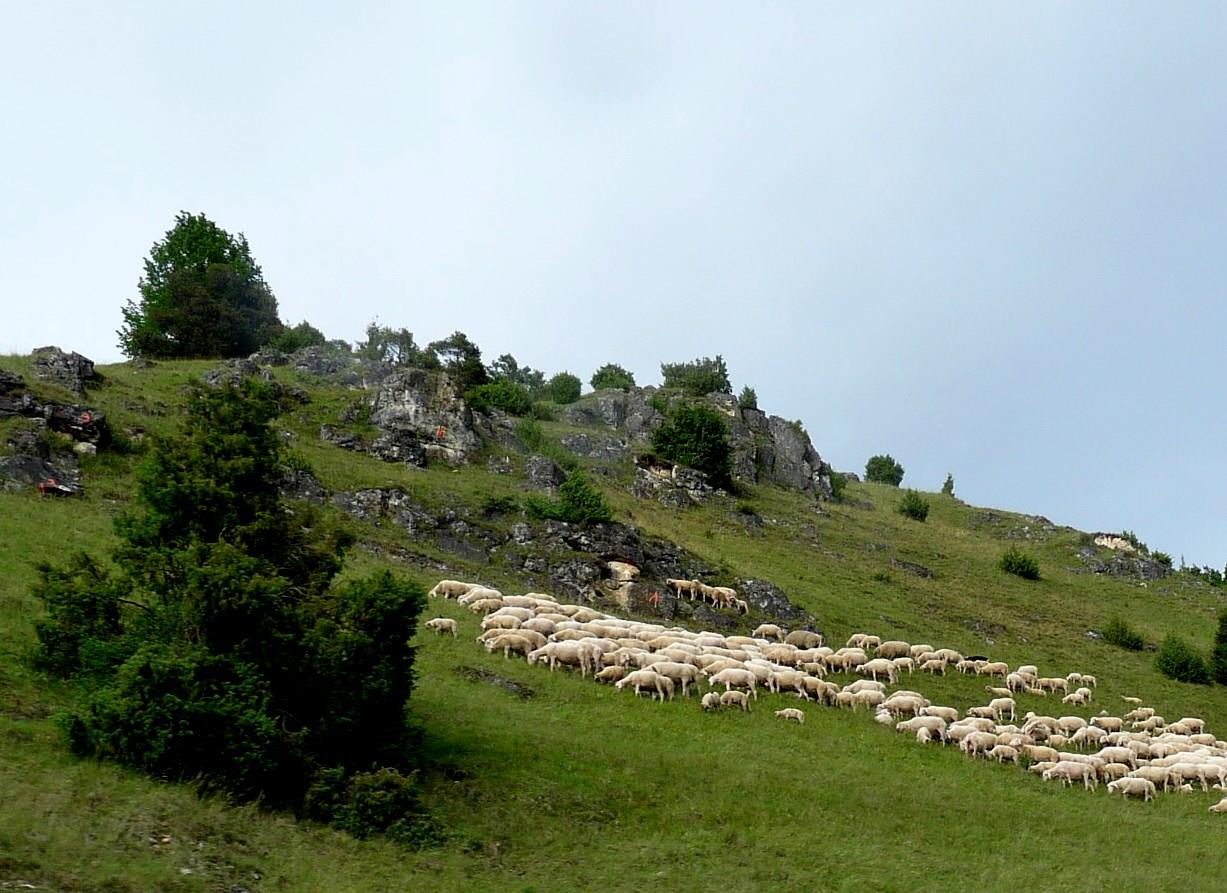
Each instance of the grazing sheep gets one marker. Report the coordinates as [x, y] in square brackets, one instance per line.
[678, 672]
[916, 650]
[1052, 683]
[904, 663]
[1029, 670]
[483, 605]
[1076, 698]
[1038, 753]
[768, 631]
[1001, 706]
[735, 697]
[923, 736]
[710, 701]
[1132, 787]
[998, 691]
[867, 698]
[993, 668]
[865, 685]
[978, 743]
[935, 665]
[804, 638]
[500, 621]
[442, 625]
[893, 649]
[508, 642]
[733, 677]
[949, 714]
[1015, 682]
[1108, 723]
[935, 725]
[1067, 771]
[647, 679]
[1003, 753]
[876, 666]
[683, 587]
[450, 589]
[791, 713]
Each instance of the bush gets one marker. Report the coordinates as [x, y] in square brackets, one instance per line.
[612, 375]
[948, 486]
[1176, 660]
[578, 503]
[535, 440]
[1119, 633]
[563, 388]
[1218, 658]
[290, 339]
[1019, 563]
[748, 398]
[884, 470]
[500, 394]
[698, 377]
[696, 436]
[914, 506]
[839, 483]
[1162, 558]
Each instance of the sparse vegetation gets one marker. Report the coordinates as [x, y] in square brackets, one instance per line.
[501, 393]
[883, 470]
[579, 502]
[839, 483]
[1218, 658]
[1019, 563]
[948, 486]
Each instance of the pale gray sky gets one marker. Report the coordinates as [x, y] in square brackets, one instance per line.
[985, 238]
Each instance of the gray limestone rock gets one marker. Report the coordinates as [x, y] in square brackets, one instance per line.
[425, 406]
[68, 369]
[543, 473]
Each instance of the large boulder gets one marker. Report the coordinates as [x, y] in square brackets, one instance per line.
[425, 406]
[25, 472]
[66, 368]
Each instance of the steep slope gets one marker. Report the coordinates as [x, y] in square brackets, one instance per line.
[580, 786]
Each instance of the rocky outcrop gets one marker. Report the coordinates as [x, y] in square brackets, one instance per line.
[673, 486]
[543, 473]
[605, 447]
[67, 369]
[25, 472]
[1122, 564]
[424, 407]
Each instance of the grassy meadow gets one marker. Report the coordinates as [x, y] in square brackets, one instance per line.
[580, 787]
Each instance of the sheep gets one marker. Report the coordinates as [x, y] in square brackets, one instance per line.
[868, 698]
[733, 677]
[935, 725]
[1015, 682]
[1003, 752]
[804, 638]
[610, 674]
[442, 625]
[645, 679]
[1090, 680]
[916, 650]
[1000, 706]
[735, 697]
[710, 701]
[571, 653]
[1139, 713]
[876, 666]
[678, 672]
[449, 589]
[993, 668]
[683, 587]
[904, 663]
[1118, 755]
[1052, 683]
[1128, 700]
[768, 631]
[1221, 806]
[1197, 725]
[935, 665]
[904, 705]
[865, 685]
[1070, 724]
[978, 742]
[949, 655]
[1038, 753]
[721, 596]
[949, 714]
[923, 736]
[500, 621]
[1076, 698]
[1132, 787]
[1108, 723]
[1067, 771]
[484, 605]
[892, 649]
[509, 642]
[998, 691]
[1113, 771]
[791, 713]
[1028, 670]
[1088, 735]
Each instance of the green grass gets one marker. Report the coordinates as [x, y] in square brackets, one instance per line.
[584, 788]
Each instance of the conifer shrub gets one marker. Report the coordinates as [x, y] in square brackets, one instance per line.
[578, 502]
[839, 483]
[1119, 633]
[563, 388]
[696, 436]
[1019, 563]
[914, 506]
[1218, 659]
[1177, 660]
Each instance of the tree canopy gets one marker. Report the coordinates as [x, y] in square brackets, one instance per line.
[698, 377]
[884, 470]
[697, 437]
[202, 295]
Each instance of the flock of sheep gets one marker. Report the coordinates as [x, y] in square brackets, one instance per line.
[1137, 754]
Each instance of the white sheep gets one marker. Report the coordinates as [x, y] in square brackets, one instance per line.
[1003, 753]
[768, 631]
[804, 638]
[442, 625]
[610, 674]
[710, 701]
[508, 642]
[450, 589]
[1001, 706]
[734, 697]
[1067, 771]
[1132, 787]
[731, 677]
[1221, 806]
[791, 713]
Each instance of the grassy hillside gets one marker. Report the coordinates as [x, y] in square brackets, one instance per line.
[580, 787]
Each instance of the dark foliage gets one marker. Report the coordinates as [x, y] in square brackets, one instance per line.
[883, 470]
[698, 377]
[506, 368]
[1119, 633]
[748, 398]
[696, 436]
[839, 483]
[292, 338]
[1218, 658]
[612, 375]
[579, 502]
[914, 506]
[563, 388]
[1020, 564]
[501, 393]
[1177, 660]
[948, 486]
[202, 295]
[394, 346]
[461, 359]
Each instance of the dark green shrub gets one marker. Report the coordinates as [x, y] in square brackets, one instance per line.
[839, 483]
[748, 398]
[914, 506]
[500, 394]
[1218, 658]
[612, 375]
[948, 486]
[579, 502]
[883, 470]
[1178, 661]
[1119, 633]
[1020, 564]
[563, 388]
[526, 377]
[384, 801]
[1162, 558]
[535, 440]
[461, 359]
[292, 338]
[698, 377]
[695, 435]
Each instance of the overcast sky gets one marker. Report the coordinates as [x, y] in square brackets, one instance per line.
[986, 239]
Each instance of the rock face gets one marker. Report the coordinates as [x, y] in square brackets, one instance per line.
[543, 473]
[67, 369]
[1123, 564]
[674, 486]
[423, 407]
[24, 472]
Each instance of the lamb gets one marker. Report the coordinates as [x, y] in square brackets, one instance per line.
[791, 713]
[442, 625]
[710, 701]
[735, 697]
[1132, 787]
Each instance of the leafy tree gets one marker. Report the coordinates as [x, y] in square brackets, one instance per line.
[1020, 564]
[884, 470]
[394, 346]
[202, 295]
[1177, 660]
[461, 358]
[914, 506]
[698, 377]
[696, 436]
[748, 398]
[501, 393]
[1218, 659]
[948, 486]
[506, 367]
[221, 650]
[563, 388]
[612, 376]
[292, 338]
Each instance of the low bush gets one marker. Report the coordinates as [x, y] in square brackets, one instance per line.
[748, 398]
[914, 506]
[698, 377]
[1119, 633]
[500, 394]
[1019, 563]
[1177, 660]
[884, 470]
[611, 375]
[563, 388]
[579, 502]
[839, 483]
[535, 440]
